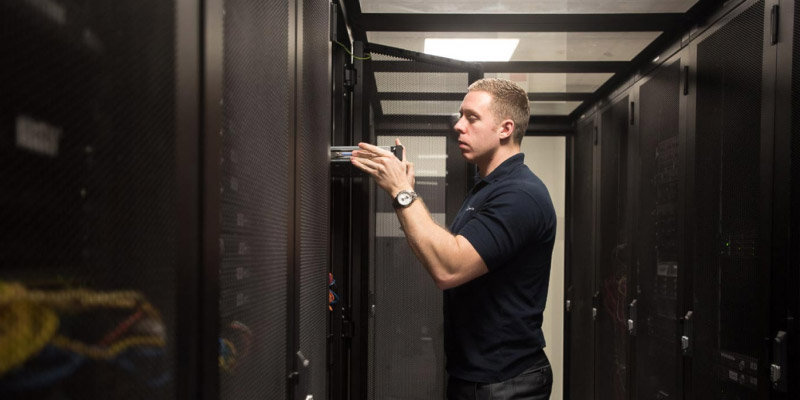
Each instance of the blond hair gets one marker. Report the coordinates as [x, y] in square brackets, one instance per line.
[509, 101]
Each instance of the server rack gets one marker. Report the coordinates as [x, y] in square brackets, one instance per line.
[659, 252]
[160, 196]
[397, 324]
[712, 127]
[92, 253]
[614, 251]
[580, 280]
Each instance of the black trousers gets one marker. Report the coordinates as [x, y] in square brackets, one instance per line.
[532, 384]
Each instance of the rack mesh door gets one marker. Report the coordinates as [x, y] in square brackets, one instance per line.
[727, 183]
[313, 194]
[656, 342]
[255, 195]
[614, 255]
[580, 287]
[88, 199]
[407, 356]
[794, 257]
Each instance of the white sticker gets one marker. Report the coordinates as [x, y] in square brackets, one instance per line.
[37, 136]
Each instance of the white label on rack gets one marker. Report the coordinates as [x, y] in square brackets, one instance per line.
[37, 136]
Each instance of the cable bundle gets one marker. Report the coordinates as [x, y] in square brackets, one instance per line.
[37, 351]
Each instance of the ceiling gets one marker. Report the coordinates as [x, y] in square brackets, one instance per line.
[570, 53]
[526, 6]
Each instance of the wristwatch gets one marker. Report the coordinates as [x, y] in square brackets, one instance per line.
[404, 199]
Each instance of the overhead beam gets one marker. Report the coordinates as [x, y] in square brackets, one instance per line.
[517, 22]
[427, 96]
[511, 66]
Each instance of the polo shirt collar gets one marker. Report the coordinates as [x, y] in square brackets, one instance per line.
[502, 170]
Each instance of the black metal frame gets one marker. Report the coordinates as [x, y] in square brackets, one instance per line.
[378, 22]
[188, 147]
[211, 98]
[513, 66]
[785, 301]
[765, 246]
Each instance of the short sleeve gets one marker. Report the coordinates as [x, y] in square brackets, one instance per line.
[507, 222]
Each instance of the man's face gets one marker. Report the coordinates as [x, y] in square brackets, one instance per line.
[478, 131]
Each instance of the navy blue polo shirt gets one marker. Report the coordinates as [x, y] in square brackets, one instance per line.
[493, 324]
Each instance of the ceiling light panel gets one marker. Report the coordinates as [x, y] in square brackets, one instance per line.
[537, 46]
[525, 6]
[472, 49]
[556, 83]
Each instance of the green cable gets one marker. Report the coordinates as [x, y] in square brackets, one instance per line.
[351, 53]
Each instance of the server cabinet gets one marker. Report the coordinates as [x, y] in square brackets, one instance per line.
[660, 265]
[579, 382]
[613, 254]
[412, 97]
[731, 205]
[256, 208]
[98, 297]
[784, 355]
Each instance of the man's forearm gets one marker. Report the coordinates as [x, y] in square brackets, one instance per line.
[433, 245]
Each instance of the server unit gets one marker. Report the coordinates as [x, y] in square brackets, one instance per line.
[714, 252]
[614, 252]
[580, 357]
[165, 199]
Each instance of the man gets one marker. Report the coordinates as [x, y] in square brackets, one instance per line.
[494, 263]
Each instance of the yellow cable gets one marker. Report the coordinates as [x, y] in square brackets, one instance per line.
[351, 53]
[25, 329]
[105, 353]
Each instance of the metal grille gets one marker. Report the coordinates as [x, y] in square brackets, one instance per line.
[658, 263]
[255, 195]
[611, 363]
[794, 257]
[408, 353]
[314, 121]
[408, 348]
[727, 189]
[580, 287]
[88, 190]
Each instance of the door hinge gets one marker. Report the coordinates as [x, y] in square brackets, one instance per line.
[333, 23]
[632, 317]
[685, 80]
[777, 370]
[633, 115]
[348, 329]
[595, 305]
[774, 24]
[350, 77]
[688, 334]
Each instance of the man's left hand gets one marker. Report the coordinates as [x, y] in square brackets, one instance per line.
[391, 174]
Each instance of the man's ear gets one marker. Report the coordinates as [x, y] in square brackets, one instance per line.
[506, 129]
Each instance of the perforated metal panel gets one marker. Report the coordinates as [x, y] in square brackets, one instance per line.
[407, 352]
[88, 195]
[794, 257]
[614, 255]
[255, 195]
[580, 286]
[729, 64]
[658, 264]
[313, 193]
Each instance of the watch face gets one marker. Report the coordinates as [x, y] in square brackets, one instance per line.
[404, 199]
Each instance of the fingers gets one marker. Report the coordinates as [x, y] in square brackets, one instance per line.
[397, 142]
[360, 164]
[377, 151]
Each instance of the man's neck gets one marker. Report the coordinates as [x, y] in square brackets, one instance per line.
[502, 154]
